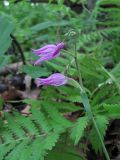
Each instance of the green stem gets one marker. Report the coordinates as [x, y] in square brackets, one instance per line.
[77, 64]
[87, 107]
[68, 66]
[86, 103]
[101, 140]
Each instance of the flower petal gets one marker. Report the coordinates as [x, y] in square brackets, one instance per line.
[48, 52]
[56, 79]
[58, 48]
[48, 56]
[46, 49]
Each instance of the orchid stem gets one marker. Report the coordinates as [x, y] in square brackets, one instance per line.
[77, 64]
[86, 102]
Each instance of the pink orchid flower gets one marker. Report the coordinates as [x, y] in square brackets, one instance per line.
[48, 52]
[56, 79]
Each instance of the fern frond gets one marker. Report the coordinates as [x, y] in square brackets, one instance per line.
[64, 149]
[113, 110]
[55, 115]
[105, 93]
[69, 93]
[21, 135]
[78, 129]
[116, 72]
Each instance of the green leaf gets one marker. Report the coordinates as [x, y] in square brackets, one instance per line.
[6, 27]
[21, 135]
[45, 25]
[1, 103]
[42, 26]
[102, 123]
[62, 106]
[78, 129]
[113, 110]
[74, 83]
[70, 93]
[34, 71]
[4, 60]
[58, 155]
[64, 149]
[56, 116]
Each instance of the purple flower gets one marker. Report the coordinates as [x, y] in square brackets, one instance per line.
[48, 52]
[56, 79]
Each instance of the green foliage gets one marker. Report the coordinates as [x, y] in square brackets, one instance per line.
[116, 72]
[64, 149]
[112, 110]
[44, 25]
[6, 27]
[37, 136]
[102, 123]
[27, 133]
[4, 60]
[34, 71]
[1, 103]
[78, 129]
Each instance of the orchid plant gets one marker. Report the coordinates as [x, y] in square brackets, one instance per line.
[68, 117]
[51, 51]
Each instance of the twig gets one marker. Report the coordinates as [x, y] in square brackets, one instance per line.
[19, 48]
